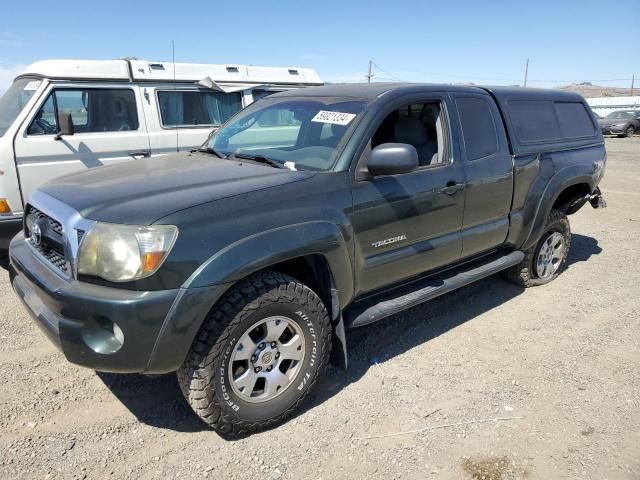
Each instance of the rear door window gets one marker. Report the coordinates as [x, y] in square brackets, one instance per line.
[197, 108]
[478, 127]
[575, 121]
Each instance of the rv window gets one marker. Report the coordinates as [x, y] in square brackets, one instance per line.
[92, 110]
[575, 121]
[194, 108]
[478, 127]
[259, 94]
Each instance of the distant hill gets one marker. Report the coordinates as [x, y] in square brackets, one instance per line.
[593, 91]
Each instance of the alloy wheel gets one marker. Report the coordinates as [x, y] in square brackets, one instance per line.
[550, 255]
[266, 359]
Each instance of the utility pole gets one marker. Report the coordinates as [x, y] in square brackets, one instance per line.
[633, 78]
[369, 75]
[526, 72]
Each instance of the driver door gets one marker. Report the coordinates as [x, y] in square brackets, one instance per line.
[109, 128]
[408, 224]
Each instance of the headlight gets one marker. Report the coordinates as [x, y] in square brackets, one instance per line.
[121, 253]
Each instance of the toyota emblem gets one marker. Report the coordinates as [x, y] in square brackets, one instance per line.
[36, 234]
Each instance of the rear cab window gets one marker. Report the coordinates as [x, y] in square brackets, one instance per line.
[478, 127]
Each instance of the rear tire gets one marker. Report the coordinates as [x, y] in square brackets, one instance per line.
[544, 261]
[630, 131]
[258, 354]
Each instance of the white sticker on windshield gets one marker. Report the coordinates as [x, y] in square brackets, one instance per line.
[336, 118]
[32, 85]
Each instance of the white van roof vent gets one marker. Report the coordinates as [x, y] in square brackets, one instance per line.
[156, 66]
[233, 70]
[293, 71]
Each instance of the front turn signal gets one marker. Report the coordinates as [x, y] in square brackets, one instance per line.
[4, 206]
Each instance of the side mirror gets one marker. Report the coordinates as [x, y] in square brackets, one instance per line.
[65, 125]
[393, 159]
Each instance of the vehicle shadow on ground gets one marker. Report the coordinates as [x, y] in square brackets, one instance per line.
[157, 401]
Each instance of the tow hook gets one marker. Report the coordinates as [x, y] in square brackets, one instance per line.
[596, 199]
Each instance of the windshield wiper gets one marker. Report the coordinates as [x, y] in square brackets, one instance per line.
[211, 151]
[258, 158]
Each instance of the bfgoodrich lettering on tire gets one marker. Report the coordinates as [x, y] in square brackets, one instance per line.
[257, 355]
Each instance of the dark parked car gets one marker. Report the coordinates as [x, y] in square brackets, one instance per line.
[623, 123]
[241, 265]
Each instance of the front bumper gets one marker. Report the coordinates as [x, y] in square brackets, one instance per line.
[613, 130]
[158, 326]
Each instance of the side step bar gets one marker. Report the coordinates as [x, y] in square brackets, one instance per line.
[370, 313]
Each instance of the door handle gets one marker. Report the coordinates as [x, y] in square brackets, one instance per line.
[140, 154]
[452, 188]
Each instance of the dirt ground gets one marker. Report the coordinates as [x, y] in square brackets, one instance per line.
[561, 361]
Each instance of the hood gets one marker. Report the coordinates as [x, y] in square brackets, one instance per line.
[140, 192]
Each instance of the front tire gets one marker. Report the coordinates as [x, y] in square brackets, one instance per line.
[258, 354]
[544, 261]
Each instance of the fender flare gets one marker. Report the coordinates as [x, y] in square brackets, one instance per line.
[562, 180]
[257, 252]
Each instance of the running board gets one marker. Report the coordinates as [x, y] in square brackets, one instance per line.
[431, 288]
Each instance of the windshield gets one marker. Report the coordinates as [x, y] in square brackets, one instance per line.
[303, 132]
[621, 115]
[14, 100]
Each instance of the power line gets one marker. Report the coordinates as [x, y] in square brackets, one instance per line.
[390, 76]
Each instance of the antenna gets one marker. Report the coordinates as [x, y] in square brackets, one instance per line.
[369, 75]
[173, 61]
[526, 73]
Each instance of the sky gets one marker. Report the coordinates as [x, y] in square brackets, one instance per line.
[419, 41]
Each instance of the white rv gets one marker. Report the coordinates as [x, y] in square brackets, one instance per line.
[116, 110]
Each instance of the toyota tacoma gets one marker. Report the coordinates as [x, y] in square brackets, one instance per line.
[242, 264]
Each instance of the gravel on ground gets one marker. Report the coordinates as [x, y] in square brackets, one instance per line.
[563, 359]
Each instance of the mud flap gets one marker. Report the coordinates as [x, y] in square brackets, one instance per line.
[339, 347]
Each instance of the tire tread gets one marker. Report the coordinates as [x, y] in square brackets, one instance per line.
[197, 373]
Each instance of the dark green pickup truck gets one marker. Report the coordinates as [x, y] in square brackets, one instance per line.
[240, 265]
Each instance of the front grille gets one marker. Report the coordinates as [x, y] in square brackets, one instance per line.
[50, 241]
[36, 214]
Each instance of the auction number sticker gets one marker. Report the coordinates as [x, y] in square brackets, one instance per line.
[336, 118]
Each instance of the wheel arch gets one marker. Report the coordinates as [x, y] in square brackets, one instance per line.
[309, 248]
[572, 198]
[566, 190]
